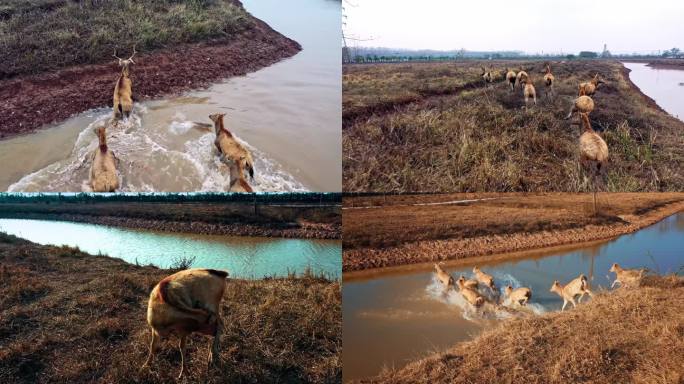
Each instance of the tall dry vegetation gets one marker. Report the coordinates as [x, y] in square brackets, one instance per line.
[36, 36]
[66, 316]
[625, 336]
[434, 127]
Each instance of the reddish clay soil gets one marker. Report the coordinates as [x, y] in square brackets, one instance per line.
[29, 102]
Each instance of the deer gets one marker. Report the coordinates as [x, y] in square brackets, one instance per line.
[469, 283]
[548, 81]
[446, 279]
[471, 295]
[511, 77]
[520, 76]
[519, 295]
[589, 88]
[582, 104]
[593, 151]
[103, 175]
[183, 303]
[529, 92]
[123, 93]
[487, 76]
[577, 286]
[626, 277]
[484, 278]
[238, 158]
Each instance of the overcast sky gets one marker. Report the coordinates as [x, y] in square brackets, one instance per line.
[531, 26]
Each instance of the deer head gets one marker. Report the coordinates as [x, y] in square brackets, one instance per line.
[125, 62]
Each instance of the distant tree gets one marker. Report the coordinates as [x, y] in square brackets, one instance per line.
[588, 55]
[570, 57]
[358, 59]
[675, 52]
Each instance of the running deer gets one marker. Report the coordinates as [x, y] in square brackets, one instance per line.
[578, 286]
[589, 88]
[511, 78]
[469, 283]
[123, 92]
[522, 75]
[593, 152]
[529, 92]
[519, 295]
[446, 279]
[484, 278]
[548, 81]
[239, 159]
[186, 302]
[582, 104]
[471, 295]
[103, 175]
[626, 277]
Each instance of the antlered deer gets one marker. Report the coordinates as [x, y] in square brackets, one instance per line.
[123, 92]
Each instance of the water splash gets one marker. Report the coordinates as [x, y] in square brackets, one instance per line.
[154, 160]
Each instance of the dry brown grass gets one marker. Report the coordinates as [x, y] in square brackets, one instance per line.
[66, 316]
[626, 336]
[435, 127]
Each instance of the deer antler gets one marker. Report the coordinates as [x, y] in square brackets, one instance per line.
[131, 58]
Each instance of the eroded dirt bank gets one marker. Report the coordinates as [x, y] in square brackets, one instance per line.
[623, 336]
[499, 242]
[29, 102]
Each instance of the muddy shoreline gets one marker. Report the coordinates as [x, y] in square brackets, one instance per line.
[28, 103]
[497, 245]
[282, 230]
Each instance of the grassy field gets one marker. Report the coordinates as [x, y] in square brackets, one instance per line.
[394, 231]
[625, 336]
[36, 36]
[66, 316]
[436, 127]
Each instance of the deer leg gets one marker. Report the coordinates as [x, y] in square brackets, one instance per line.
[565, 302]
[181, 346]
[214, 353]
[154, 343]
[613, 285]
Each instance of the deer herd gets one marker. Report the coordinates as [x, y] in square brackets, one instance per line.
[593, 149]
[103, 162]
[473, 290]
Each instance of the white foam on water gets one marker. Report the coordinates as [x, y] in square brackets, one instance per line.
[150, 161]
[490, 310]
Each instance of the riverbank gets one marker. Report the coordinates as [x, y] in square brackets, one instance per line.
[661, 63]
[28, 101]
[67, 316]
[435, 127]
[277, 229]
[627, 335]
[491, 229]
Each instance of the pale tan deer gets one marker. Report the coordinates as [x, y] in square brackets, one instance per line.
[184, 303]
[626, 277]
[577, 286]
[103, 174]
[236, 155]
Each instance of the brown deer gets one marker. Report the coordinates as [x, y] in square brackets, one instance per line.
[590, 87]
[577, 286]
[103, 175]
[548, 81]
[511, 78]
[236, 155]
[593, 151]
[123, 92]
[186, 302]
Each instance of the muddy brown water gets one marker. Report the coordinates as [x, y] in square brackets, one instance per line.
[397, 315]
[662, 85]
[289, 114]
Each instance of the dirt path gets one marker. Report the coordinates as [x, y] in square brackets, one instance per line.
[29, 102]
[460, 248]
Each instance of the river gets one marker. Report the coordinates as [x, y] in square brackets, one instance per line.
[397, 315]
[665, 86]
[289, 114]
[244, 257]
